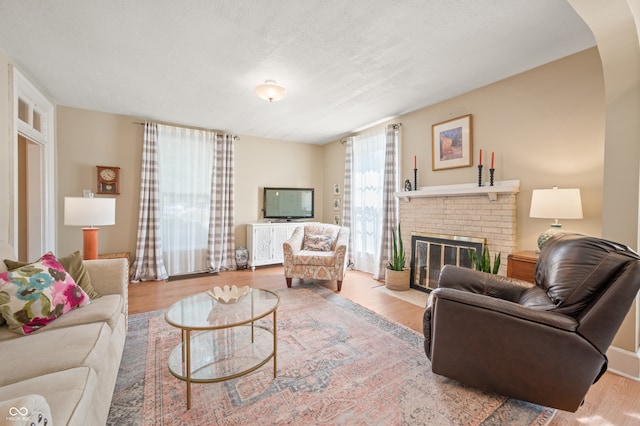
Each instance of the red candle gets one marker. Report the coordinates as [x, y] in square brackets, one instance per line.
[414, 162]
[493, 156]
[481, 157]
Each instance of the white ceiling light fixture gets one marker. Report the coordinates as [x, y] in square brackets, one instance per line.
[270, 91]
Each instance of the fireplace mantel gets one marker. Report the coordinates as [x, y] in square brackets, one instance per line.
[499, 187]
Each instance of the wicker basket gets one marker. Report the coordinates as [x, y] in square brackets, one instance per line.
[397, 280]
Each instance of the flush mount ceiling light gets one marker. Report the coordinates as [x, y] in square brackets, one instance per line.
[270, 91]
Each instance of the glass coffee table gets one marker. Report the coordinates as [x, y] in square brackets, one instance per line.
[222, 341]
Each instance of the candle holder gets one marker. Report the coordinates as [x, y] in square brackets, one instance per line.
[415, 179]
[479, 174]
[491, 171]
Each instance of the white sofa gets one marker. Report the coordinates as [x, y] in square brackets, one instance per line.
[73, 361]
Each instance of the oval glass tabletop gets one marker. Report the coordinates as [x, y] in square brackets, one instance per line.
[203, 312]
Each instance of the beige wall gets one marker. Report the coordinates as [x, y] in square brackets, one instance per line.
[261, 162]
[88, 138]
[546, 127]
[616, 31]
[333, 156]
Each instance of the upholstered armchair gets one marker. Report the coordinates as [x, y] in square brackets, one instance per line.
[317, 251]
[545, 342]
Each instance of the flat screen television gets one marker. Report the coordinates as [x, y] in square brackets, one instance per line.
[288, 203]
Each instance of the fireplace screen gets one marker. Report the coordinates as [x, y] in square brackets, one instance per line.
[430, 252]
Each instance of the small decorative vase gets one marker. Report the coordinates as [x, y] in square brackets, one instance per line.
[242, 258]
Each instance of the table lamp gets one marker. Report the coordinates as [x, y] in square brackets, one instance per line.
[89, 212]
[555, 204]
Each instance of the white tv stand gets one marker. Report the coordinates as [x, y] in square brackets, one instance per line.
[264, 241]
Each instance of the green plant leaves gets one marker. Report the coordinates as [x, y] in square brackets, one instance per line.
[484, 263]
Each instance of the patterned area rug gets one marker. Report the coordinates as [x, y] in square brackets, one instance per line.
[338, 363]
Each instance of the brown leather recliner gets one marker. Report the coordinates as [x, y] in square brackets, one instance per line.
[545, 342]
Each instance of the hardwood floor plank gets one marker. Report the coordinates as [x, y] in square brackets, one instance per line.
[611, 401]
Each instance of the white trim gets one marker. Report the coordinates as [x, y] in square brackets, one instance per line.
[45, 138]
[458, 190]
[624, 363]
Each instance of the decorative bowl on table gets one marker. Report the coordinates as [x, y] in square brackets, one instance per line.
[228, 294]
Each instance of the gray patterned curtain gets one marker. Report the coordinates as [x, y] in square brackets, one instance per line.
[148, 264]
[221, 252]
[389, 201]
[346, 204]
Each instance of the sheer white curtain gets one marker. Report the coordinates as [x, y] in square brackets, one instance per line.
[370, 208]
[186, 159]
[367, 183]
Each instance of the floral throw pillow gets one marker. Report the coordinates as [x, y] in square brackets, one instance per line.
[317, 242]
[36, 294]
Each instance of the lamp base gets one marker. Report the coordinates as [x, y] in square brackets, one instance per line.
[90, 243]
[542, 238]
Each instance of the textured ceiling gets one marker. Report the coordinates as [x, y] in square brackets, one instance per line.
[345, 63]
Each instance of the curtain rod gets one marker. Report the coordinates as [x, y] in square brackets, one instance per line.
[235, 137]
[396, 126]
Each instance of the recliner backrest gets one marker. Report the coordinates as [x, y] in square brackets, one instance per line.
[574, 269]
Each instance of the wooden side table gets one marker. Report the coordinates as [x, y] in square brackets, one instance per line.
[522, 265]
[124, 255]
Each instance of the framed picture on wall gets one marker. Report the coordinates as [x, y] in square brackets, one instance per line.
[336, 219]
[451, 144]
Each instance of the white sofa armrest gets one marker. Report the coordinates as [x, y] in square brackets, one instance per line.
[110, 276]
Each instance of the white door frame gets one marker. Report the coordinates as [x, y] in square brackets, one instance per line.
[39, 128]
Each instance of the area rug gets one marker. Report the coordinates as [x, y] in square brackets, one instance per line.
[338, 364]
[413, 296]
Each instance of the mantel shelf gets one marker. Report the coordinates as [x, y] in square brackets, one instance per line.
[500, 187]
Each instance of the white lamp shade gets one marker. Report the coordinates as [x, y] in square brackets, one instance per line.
[80, 211]
[556, 203]
[270, 91]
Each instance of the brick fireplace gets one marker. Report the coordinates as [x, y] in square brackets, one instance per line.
[463, 211]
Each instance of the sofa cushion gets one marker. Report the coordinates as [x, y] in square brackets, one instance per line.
[317, 242]
[36, 294]
[68, 394]
[54, 350]
[314, 258]
[324, 229]
[71, 263]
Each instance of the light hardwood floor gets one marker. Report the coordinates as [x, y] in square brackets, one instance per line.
[614, 400]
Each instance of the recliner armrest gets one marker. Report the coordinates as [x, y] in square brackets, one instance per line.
[509, 309]
[478, 282]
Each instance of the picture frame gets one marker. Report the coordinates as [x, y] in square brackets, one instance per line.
[336, 189]
[336, 204]
[452, 143]
[336, 219]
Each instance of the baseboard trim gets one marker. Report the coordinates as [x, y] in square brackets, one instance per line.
[624, 363]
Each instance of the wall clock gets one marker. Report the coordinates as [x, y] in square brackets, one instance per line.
[108, 180]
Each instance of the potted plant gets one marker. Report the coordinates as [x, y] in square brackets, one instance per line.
[397, 277]
[484, 263]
